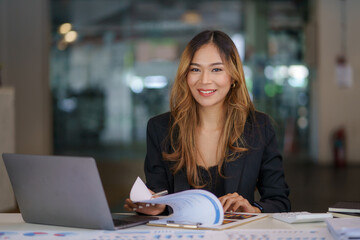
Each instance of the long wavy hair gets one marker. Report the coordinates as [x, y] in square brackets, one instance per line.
[184, 113]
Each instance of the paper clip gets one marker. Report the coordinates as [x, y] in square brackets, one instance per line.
[182, 225]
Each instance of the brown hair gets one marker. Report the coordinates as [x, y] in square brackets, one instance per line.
[183, 108]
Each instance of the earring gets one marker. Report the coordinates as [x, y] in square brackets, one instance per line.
[233, 85]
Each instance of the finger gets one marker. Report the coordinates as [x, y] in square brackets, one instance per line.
[141, 204]
[135, 206]
[244, 206]
[229, 195]
[239, 205]
[127, 207]
[152, 210]
[131, 204]
[247, 206]
[224, 198]
[228, 203]
[231, 201]
[234, 194]
[131, 208]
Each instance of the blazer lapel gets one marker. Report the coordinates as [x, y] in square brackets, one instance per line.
[233, 173]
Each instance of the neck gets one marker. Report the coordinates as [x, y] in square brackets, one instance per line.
[212, 118]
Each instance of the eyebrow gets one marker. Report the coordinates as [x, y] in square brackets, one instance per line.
[212, 64]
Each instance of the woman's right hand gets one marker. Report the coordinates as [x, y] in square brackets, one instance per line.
[145, 208]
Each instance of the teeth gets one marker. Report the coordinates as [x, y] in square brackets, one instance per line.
[208, 91]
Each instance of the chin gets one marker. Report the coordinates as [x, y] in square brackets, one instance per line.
[207, 104]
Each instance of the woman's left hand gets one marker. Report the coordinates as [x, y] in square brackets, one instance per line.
[236, 203]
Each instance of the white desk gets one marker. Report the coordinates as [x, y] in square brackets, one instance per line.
[11, 223]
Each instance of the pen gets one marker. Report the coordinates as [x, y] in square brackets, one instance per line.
[162, 193]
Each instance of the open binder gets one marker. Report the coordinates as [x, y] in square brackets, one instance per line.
[192, 209]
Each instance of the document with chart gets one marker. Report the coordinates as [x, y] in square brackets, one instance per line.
[195, 208]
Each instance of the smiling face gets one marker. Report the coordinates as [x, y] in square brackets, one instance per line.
[208, 79]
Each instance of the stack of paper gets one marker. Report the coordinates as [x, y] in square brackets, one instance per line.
[349, 208]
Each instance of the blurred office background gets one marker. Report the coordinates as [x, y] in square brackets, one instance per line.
[84, 76]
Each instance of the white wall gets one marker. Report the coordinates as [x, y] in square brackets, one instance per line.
[24, 56]
[7, 144]
[337, 106]
[25, 116]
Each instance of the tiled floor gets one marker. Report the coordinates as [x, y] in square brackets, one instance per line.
[313, 188]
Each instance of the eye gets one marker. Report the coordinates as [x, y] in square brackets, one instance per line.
[217, 70]
[194, 70]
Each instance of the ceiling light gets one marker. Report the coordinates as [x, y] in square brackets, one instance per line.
[65, 28]
[70, 36]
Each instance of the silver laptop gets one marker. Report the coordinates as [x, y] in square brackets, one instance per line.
[63, 191]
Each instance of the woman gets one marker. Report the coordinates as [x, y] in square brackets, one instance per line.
[213, 138]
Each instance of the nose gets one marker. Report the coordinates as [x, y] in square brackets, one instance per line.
[205, 77]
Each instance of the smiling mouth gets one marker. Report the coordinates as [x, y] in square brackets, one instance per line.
[207, 91]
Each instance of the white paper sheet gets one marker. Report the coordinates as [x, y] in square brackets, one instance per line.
[139, 191]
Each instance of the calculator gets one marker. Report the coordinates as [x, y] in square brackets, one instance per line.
[301, 217]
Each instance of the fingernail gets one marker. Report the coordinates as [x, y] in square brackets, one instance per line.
[147, 205]
[140, 207]
[153, 204]
[134, 209]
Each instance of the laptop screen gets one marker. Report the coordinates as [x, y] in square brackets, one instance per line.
[58, 190]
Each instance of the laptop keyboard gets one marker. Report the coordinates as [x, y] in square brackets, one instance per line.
[130, 221]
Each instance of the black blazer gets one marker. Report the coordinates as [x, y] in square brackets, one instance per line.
[260, 167]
